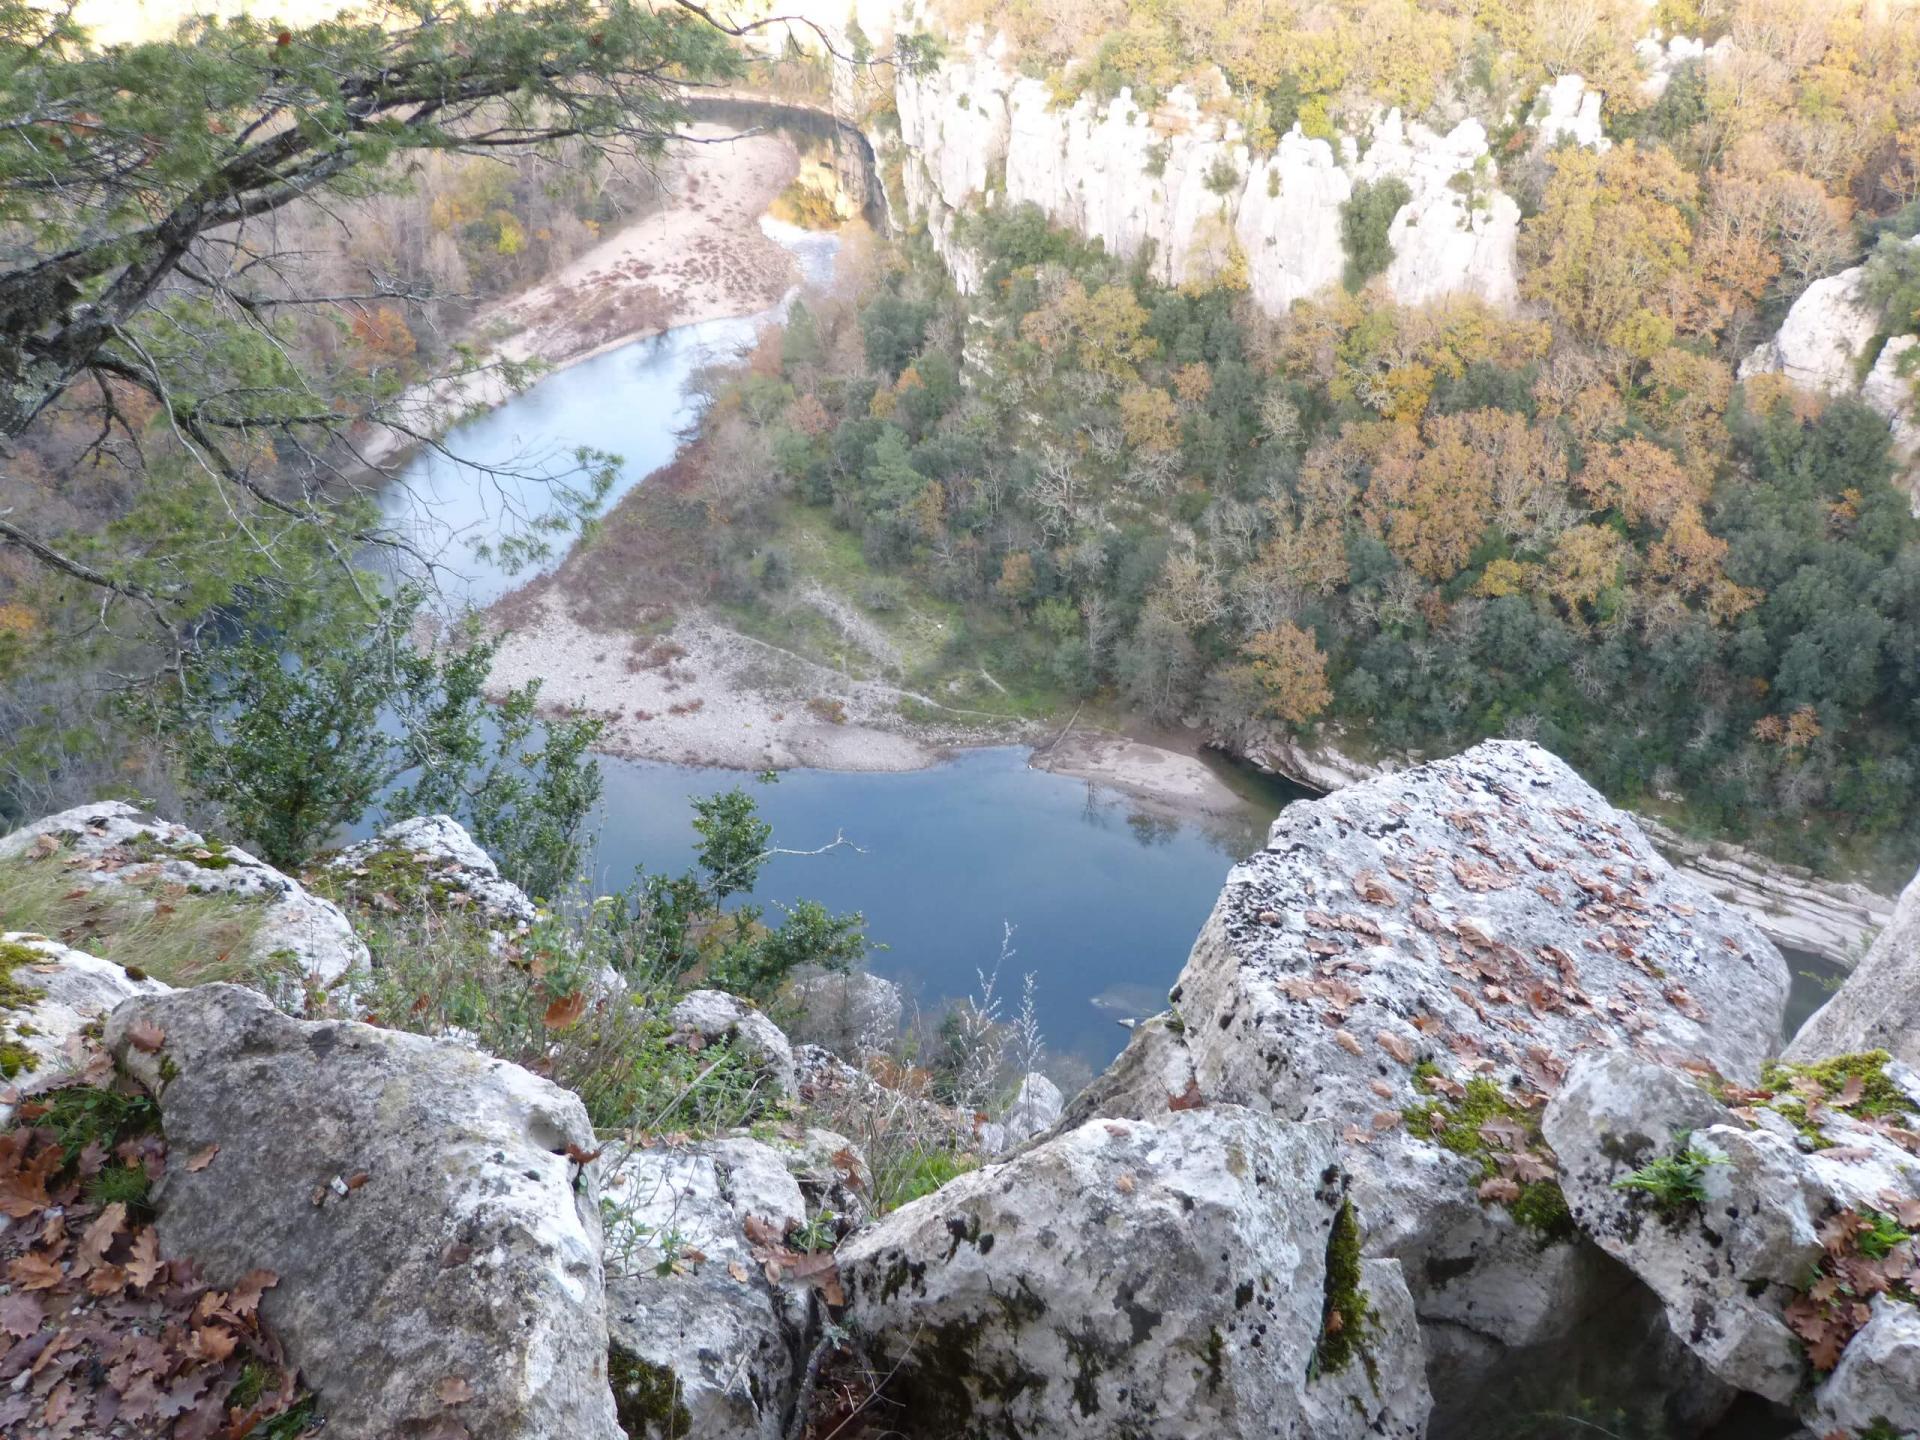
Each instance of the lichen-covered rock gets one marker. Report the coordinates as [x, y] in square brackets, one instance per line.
[1177, 182]
[1724, 1268]
[48, 994]
[1736, 1214]
[1194, 1275]
[1036, 1105]
[704, 1346]
[429, 858]
[114, 844]
[1417, 960]
[416, 1199]
[714, 1016]
[853, 1012]
[1875, 1389]
[1878, 1008]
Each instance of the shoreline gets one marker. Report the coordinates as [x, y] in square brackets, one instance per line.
[709, 696]
[701, 256]
[705, 693]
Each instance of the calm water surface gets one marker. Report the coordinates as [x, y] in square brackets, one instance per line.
[1104, 899]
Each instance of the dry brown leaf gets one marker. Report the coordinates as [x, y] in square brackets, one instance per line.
[566, 1011]
[1500, 1189]
[34, 1271]
[1396, 1046]
[1189, 1098]
[1124, 1184]
[454, 1390]
[146, 1036]
[200, 1159]
[1346, 1042]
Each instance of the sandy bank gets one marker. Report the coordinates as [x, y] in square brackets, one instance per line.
[702, 256]
[1166, 778]
[704, 694]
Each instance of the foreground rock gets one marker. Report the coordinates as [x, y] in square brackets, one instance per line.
[1196, 1275]
[1417, 961]
[705, 1344]
[1774, 1229]
[438, 1252]
[302, 941]
[1879, 1006]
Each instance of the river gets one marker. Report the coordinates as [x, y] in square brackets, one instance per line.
[1103, 898]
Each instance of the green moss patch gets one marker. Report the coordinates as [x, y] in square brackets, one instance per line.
[1488, 1125]
[1345, 1314]
[17, 994]
[1785, 1089]
[390, 879]
[646, 1397]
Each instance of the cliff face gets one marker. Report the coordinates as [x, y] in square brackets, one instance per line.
[1182, 185]
[1823, 346]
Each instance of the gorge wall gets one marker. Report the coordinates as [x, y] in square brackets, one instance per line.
[1181, 185]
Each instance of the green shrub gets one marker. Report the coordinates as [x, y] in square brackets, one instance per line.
[1364, 222]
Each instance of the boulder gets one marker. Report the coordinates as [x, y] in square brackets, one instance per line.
[1736, 1216]
[703, 1346]
[1193, 1275]
[116, 845]
[1878, 1008]
[1422, 955]
[714, 1016]
[1155, 1067]
[854, 1012]
[48, 994]
[1036, 1105]
[431, 858]
[1875, 1389]
[418, 1201]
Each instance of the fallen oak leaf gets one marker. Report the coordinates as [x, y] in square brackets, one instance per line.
[34, 1271]
[146, 1036]
[565, 1012]
[201, 1159]
[454, 1390]
[144, 1263]
[1499, 1188]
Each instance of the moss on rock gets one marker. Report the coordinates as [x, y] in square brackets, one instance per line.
[1344, 1313]
[1457, 1126]
[646, 1397]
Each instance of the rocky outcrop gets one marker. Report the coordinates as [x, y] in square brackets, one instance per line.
[437, 1241]
[704, 1346]
[302, 939]
[707, 1342]
[1035, 1108]
[1749, 1220]
[1416, 958]
[429, 859]
[1193, 1275]
[1824, 344]
[1794, 908]
[714, 1016]
[853, 1012]
[1178, 183]
[1879, 1006]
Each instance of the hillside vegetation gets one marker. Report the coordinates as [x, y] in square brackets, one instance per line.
[1425, 524]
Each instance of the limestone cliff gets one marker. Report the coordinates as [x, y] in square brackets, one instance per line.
[1834, 343]
[1180, 184]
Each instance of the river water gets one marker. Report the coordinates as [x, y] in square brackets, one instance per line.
[1103, 899]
